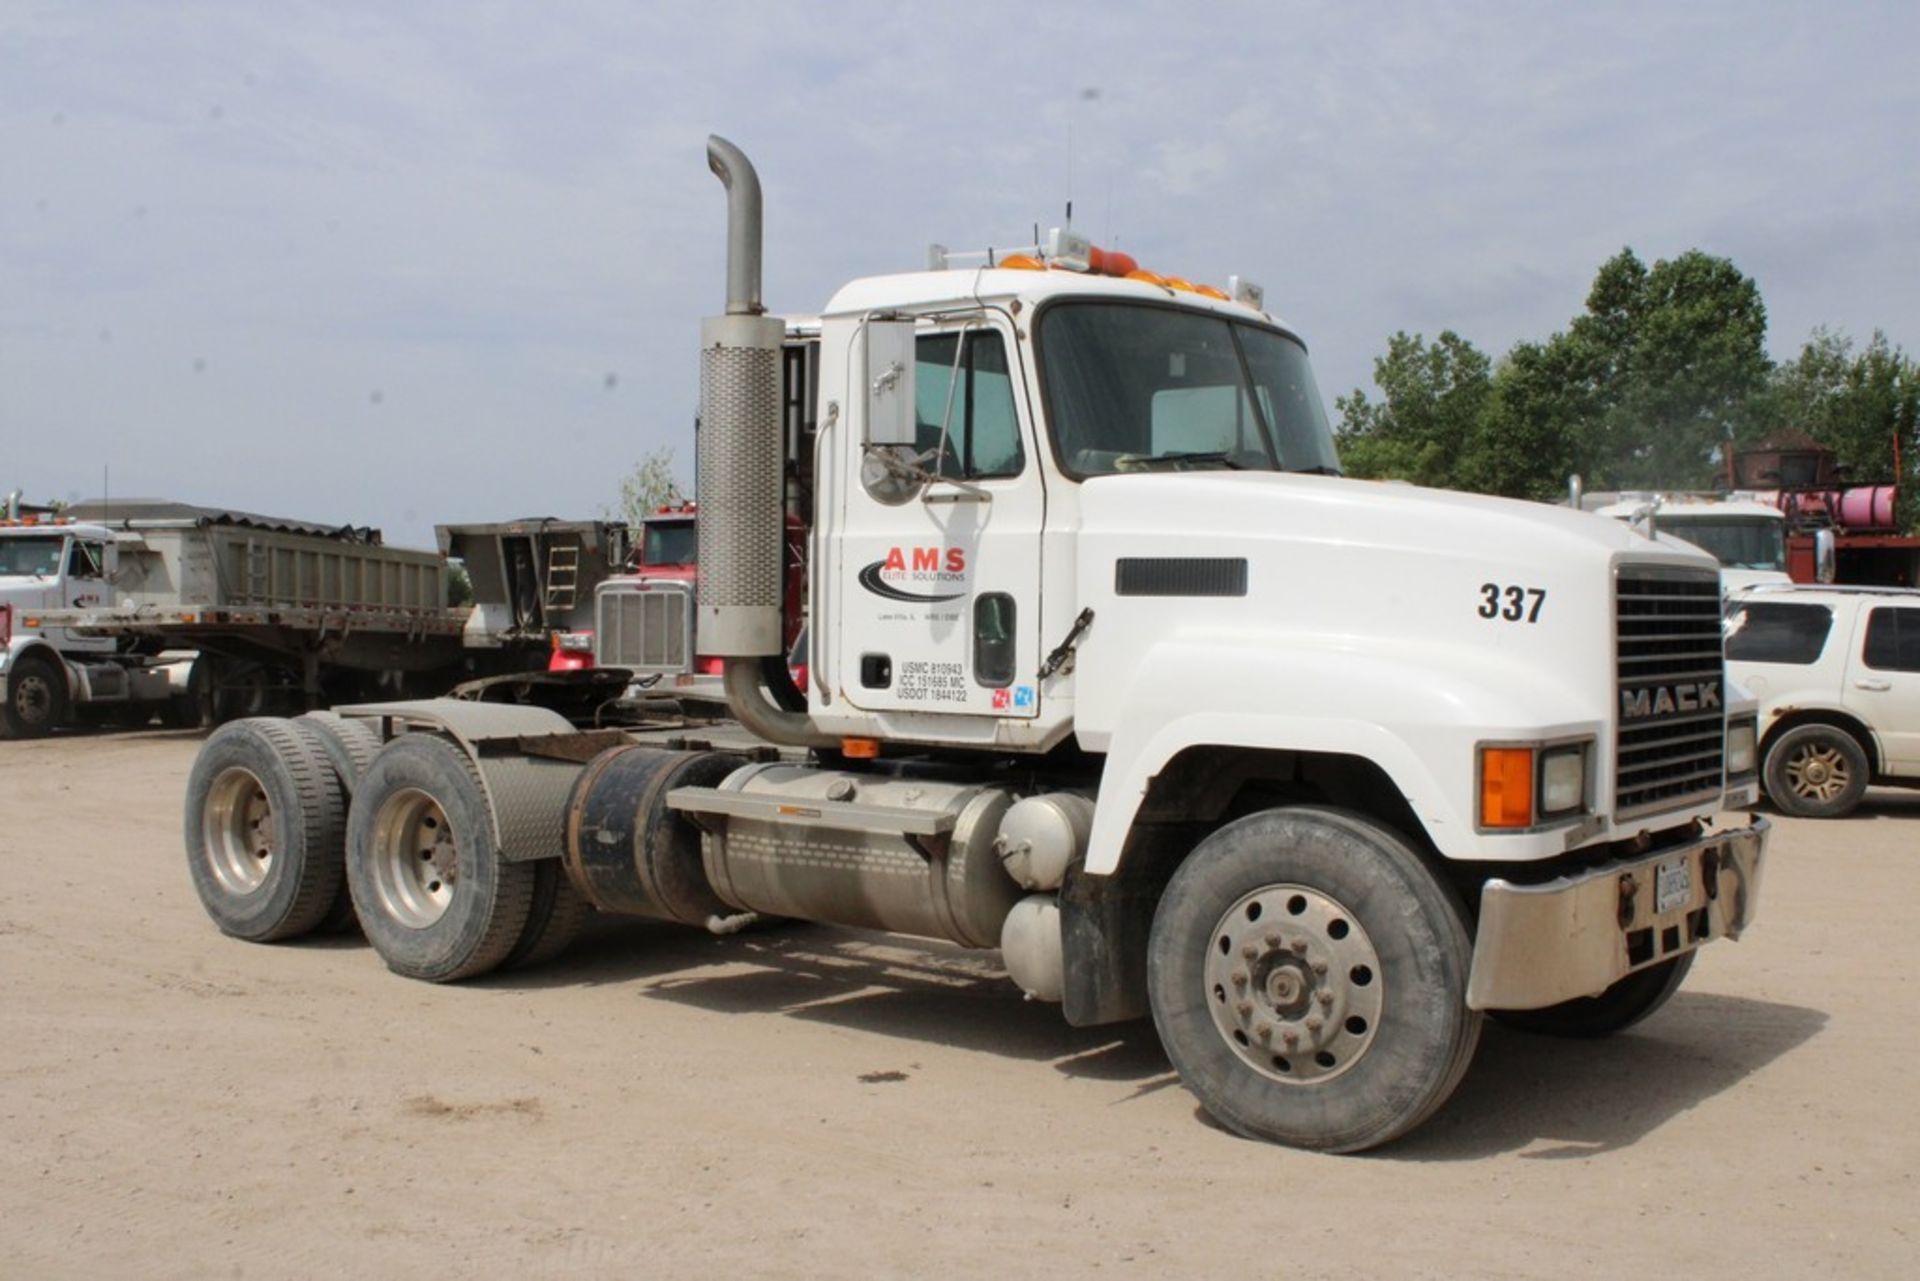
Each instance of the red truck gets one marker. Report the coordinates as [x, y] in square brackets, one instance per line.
[642, 620]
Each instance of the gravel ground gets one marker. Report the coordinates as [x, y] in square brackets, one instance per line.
[819, 1102]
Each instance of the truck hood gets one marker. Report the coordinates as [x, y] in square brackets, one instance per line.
[1445, 596]
[1338, 513]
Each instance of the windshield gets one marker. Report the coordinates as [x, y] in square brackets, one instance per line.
[671, 543]
[1133, 387]
[1737, 542]
[26, 557]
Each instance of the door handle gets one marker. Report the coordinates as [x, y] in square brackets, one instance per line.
[1876, 686]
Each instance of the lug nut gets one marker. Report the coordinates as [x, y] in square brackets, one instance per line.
[1300, 945]
[1273, 942]
[1251, 952]
[1313, 1025]
[1291, 1037]
[1264, 1031]
[1320, 969]
[1326, 998]
[1245, 1009]
[1239, 978]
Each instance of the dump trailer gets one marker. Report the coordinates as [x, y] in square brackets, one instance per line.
[1111, 671]
[146, 607]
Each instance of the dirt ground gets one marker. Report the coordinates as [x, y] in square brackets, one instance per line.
[816, 1102]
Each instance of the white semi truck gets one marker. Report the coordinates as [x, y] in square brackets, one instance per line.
[1746, 535]
[1111, 670]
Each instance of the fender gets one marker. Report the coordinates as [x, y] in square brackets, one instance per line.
[20, 646]
[1415, 712]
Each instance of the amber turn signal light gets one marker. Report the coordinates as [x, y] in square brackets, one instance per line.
[1506, 787]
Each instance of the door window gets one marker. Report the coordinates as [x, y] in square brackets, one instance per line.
[963, 403]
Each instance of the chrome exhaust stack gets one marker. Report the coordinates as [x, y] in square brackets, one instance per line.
[742, 526]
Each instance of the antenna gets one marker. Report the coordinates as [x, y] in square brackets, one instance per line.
[106, 495]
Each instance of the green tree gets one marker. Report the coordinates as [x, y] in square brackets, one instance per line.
[1855, 405]
[1429, 418]
[1672, 356]
[649, 485]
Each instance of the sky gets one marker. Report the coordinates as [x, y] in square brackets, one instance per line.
[404, 264]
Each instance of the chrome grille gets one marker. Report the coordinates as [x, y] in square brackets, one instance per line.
[1671, 677]
[644, 627]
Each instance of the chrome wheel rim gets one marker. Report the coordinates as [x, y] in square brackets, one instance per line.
[1818, 772]
[416, 863]
[237, 828]
[1294, 984]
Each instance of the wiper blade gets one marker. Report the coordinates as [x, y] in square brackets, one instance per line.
[1187, 456]
[1314, 471]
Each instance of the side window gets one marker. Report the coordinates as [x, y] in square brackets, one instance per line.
[1893, 640]
[1774, 632]
[84, 561]
[962, 383]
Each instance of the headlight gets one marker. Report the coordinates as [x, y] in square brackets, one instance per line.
[1563, 780]
[1742, 736]
[1522, 787]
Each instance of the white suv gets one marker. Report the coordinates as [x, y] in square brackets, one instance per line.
[1837, 673]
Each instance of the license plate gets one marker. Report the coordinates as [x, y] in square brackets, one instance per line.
[1672, 886]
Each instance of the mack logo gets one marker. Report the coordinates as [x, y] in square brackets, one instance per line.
[1665, 700]
[917, 565]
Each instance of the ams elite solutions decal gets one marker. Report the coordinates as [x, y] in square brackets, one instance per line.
[919, 567]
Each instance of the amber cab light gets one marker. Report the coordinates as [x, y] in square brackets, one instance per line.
[1506, 787]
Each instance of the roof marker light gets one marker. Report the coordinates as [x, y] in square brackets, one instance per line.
[1245, 291]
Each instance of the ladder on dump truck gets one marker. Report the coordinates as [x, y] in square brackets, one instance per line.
[563, 576]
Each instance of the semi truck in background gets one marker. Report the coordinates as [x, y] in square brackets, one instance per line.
[1746, 535]
[199, 615]
[1111, 670]
[644, 620]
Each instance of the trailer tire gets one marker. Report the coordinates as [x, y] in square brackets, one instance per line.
[1618, 1008]
[348, 748]
[1307, 973]
[433, 895]
[1815, 770]
[554, 920]
[36, 696]
[263, 819]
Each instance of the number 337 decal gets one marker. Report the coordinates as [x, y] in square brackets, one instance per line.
[1514, 604]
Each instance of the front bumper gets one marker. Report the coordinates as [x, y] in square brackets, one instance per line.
[1539, 945]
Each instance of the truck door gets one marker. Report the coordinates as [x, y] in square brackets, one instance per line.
[1883, 684]
[940, 594]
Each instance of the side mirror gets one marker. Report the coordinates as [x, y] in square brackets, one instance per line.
[890, 405]
[1825, 556]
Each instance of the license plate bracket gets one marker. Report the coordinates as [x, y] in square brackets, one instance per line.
[1672, 886]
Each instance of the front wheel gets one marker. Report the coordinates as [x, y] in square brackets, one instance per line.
[1307, 972]
[36, 694]
[1816, 771]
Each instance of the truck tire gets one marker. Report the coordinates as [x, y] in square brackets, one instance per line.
[1307, 972]
[36, 693]
[348, 748]
[263, 818]
[1815, 771]
[434, 896]
[554, 920]
[1619, 1007]
[350, 745]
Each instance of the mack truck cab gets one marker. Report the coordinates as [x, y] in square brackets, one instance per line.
[1111, 670]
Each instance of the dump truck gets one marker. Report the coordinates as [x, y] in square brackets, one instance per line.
[1111, 671]
[141, 607]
